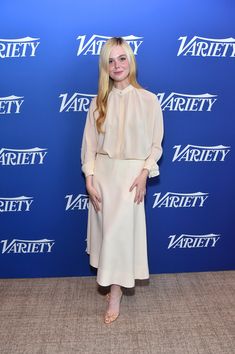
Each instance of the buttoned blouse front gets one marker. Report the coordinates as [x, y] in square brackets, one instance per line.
[133, 129]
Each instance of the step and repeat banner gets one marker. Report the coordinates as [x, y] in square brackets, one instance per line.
[49, 71]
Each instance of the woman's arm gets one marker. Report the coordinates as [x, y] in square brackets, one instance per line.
[88, 154]
[150, 168]
[89, 142]
[156, 149]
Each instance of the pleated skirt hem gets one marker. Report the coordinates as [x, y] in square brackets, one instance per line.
[120, 278]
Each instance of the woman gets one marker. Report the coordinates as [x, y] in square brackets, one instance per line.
[120, 149]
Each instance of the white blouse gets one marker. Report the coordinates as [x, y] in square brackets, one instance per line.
[133, 129]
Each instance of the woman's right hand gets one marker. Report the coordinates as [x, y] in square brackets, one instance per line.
[93, 194]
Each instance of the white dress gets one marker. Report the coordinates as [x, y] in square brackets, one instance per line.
[133, 131]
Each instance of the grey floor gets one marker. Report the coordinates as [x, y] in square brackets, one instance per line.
[172, 313]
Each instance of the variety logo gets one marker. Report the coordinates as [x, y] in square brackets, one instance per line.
[15, 204]
[195, 153]
[78, 102]
[20, 47]
[180, 200]
[10, 104]
[193, 241]
[13, 157]
[93, 45]
[80, 202]
[207, 47]
[186, 102]
[27, 246]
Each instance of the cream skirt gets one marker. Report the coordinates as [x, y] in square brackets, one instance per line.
[116, 235]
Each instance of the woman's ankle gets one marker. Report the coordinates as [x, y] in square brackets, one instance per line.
[116, 289]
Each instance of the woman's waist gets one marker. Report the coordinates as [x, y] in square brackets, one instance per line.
[118, 156]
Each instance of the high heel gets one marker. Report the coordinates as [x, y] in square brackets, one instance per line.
[111, 316]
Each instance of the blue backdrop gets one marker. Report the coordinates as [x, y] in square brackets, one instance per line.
[49, 50]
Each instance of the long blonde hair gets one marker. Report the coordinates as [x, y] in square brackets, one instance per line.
[105, 82]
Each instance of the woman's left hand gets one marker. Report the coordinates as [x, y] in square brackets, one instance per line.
[140, 184]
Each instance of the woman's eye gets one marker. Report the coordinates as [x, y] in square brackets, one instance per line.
[110, 61]
[123, 58]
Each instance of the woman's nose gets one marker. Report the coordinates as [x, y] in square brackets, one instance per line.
[116, 64]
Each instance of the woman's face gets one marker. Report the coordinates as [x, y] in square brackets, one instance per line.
[119, 67]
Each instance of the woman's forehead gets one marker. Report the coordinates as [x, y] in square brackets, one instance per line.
[116, 51]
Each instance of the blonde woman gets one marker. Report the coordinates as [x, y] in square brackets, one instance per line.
[120, 148]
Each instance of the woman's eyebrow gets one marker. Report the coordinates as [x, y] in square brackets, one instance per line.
[122, 55]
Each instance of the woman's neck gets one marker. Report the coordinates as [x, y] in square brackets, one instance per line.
[121, 85]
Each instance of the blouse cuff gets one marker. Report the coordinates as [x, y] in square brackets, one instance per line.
[152, 167]
[88, 168]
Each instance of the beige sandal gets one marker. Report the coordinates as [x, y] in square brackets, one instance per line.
[111, 316]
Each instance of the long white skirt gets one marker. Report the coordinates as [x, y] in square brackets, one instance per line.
[116, 235]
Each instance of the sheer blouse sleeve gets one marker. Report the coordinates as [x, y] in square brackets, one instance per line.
[156, 149]
[89, 141]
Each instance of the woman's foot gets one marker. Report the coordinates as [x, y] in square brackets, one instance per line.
[114, 299]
